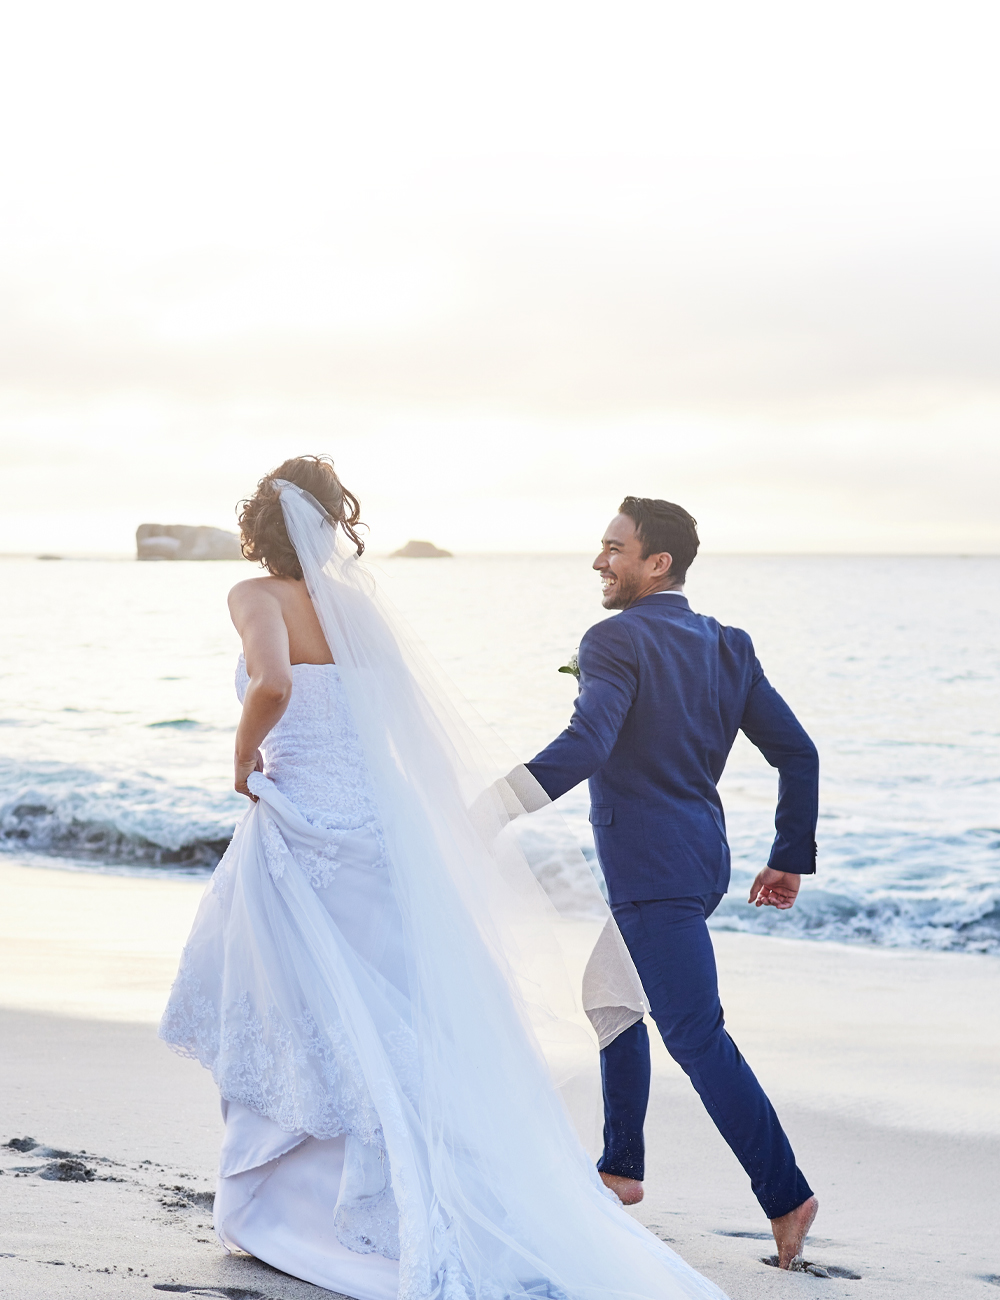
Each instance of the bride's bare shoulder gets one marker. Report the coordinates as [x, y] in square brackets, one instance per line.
[253, 594]
[252, 588]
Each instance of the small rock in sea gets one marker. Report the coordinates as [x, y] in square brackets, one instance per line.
[183, 542]
[421, 551]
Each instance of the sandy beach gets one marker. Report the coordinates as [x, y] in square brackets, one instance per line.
[882, 1063]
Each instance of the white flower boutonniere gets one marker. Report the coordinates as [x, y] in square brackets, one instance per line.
[573, 667]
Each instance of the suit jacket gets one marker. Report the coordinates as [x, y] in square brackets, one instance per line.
[663, 692]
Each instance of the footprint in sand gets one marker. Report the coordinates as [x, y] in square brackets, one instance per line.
[215, 1292]
[63, 1166]
[38, 1149]
[67, 1171]
[186, 1198]
[21, 1144]
[800, 1265]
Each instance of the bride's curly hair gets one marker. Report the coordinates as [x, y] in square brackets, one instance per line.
[264, 537]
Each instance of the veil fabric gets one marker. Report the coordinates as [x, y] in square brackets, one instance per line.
[452, 1059]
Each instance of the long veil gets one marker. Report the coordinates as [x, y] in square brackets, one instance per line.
[496, 1196]
[433, 771]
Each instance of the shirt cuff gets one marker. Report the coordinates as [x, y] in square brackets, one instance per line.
[520, 792]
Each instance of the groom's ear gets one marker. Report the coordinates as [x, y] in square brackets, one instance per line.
[662, 564]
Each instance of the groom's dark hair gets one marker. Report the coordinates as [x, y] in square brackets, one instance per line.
[663, 526]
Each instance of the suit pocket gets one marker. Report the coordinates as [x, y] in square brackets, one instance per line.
[602, 816]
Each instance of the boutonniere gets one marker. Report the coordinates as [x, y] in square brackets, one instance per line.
[573, 667]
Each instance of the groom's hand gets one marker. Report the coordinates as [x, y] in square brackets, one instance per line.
[774, 889]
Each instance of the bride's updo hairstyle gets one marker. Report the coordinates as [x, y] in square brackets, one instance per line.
[264, 537]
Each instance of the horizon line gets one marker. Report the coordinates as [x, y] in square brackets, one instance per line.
[121, 556]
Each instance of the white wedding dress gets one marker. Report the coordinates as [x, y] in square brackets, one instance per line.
[279, 1194]
[382, 1032]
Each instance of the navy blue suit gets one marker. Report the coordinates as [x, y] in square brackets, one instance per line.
[663, 692]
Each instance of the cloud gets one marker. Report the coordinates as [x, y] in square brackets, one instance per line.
[506, 266]
[523, 322]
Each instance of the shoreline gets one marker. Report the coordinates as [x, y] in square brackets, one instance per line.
[882, 1063]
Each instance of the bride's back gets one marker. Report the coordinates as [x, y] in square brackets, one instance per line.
[306, 642]
[295, 710]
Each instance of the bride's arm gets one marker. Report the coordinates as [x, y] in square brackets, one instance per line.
[256, 615]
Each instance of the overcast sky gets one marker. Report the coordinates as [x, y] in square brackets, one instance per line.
[505, 263]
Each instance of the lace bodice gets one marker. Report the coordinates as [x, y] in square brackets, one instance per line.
[314, 756]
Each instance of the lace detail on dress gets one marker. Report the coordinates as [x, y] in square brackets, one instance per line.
[370, 1226]
[313, 753]
[302, 1078]
[190, 1023]
[276, 851]
[319, 865]
[366, 1217]
[401, 1048]
[314, 757]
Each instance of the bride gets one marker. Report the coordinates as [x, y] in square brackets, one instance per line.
[375, 978]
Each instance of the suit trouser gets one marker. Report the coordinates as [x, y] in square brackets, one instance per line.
[672, 950]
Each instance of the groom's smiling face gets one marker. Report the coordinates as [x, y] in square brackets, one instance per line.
[626, 574]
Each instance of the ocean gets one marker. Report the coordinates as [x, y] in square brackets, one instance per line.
[117, 715]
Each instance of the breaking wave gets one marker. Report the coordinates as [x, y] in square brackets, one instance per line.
[880, 884]
[61, 811]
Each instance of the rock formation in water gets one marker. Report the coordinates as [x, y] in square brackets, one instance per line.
[421, 551]
[183, 542]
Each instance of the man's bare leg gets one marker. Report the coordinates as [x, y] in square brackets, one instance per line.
[628, 1190]
[790, 1230]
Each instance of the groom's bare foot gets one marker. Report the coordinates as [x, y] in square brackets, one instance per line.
[790, 1230]
[628, 1190]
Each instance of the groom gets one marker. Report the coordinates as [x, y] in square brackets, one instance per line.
[663, 692]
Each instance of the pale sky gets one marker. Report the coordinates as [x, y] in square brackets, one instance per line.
[505, 263]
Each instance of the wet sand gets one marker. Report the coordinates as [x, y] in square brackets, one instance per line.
[883, 1066]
